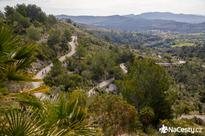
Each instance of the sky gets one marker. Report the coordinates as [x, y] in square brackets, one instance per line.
[113, 7]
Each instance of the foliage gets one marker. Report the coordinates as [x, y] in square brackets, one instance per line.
[32, 11]
[129, 38]
[22, 16]
[54, 38]
[33, 33]
[183, 107]
[146, 116]
[65, 39]
[147, 85]
[183, 44]
[190, 78]
[58, 117]
[114, 115]
[21, 123]
[58, 77]
[15, 56]
[67, 35]
[95, 65]
[52, 20]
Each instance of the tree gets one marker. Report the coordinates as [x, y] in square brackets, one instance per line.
[9, 14]
[16, 20]
[146, 85]
[22, 9]
[65, 39]
[54, 38]
[22, 16]
[52, 20]
[1, 15]
[67, 35]
[102, 65]
[36, 14]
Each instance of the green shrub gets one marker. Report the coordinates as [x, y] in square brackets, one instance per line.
[33, 33]
[114, 115]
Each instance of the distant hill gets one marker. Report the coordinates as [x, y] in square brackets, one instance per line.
[156, 21]
[185, 18]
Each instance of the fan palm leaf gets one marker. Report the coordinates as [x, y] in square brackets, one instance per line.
[15, 56]
[69, 114]
[21, 123]
[41, 89]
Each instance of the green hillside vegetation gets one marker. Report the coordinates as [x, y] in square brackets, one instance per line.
[182, 44]
[148, 96]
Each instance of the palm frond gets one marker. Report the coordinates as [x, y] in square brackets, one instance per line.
[21, 123]
[41, 89]
[69, 114]
[29, 101]
[15, 56]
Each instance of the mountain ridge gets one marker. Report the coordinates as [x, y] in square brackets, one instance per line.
[185, 18]
[143, 22]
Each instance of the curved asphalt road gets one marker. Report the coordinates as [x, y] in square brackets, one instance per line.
[42, 73]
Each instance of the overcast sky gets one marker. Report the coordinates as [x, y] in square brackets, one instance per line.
[111, 7]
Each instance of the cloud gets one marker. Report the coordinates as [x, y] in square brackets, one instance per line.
[109, 7]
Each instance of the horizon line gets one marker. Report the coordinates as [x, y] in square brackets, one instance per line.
[130, 14]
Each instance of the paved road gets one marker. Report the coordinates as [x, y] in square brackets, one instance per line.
[202, 117]
[100, 85]
[180, 62]
[124, 68]
[42, 73]
[105, 83]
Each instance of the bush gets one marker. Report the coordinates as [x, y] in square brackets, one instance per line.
[146, 117]
[114, 115]
[33, 33]
[54, 38]
[67, 35]
[58, 77]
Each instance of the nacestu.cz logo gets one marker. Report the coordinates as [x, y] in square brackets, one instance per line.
[166, 129]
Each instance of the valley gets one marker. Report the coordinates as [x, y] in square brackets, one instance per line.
[100, 75]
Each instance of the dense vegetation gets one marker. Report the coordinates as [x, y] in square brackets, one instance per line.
[134, 39]
[145, 97]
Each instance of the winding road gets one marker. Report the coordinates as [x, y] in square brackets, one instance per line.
[42, 73]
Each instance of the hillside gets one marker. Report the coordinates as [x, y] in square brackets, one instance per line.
[184, 18]
[58, 78]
